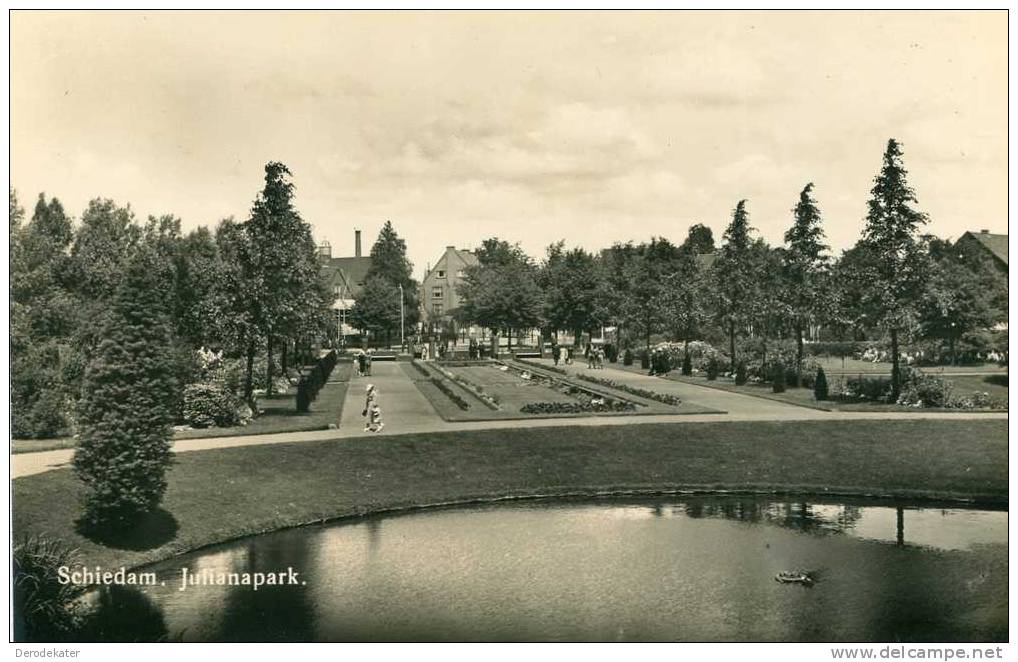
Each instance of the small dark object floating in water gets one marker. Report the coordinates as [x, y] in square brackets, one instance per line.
[794, 578]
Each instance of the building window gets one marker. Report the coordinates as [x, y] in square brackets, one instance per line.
[342, 315]
[335, 290]
[436, 308]
[436, 293]
[459, 274]
[441, 273]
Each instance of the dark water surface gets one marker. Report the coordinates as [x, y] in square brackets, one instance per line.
[697, 569]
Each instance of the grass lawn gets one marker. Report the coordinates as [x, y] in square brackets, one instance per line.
[217, 495]
[833, 364]
[280, 416]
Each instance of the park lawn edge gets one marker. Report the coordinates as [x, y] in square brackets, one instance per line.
[46, 503]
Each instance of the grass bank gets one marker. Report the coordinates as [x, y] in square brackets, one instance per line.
[218, 495]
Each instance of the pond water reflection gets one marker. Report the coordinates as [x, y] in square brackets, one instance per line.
[696, 569]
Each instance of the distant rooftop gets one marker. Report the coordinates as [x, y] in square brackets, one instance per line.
[995, 243]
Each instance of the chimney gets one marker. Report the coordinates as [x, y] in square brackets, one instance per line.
[984, 232]
[357, 243]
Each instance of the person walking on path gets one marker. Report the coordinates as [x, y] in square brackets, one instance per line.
[370, 400]
[367, 363]
[375, 423]
[554, 351]
[361, 364]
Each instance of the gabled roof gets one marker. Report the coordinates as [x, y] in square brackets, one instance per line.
[467, 257]
[352, 269]
[705, 260]
[995, 243]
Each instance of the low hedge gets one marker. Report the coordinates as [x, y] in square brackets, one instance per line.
[455, 397]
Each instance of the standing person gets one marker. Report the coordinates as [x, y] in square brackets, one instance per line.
[361, 362]
[375, 423]
[589, 351]
[554, 351]
[369, 402]
[367, 364]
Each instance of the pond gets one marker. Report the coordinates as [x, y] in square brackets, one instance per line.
[689, 569]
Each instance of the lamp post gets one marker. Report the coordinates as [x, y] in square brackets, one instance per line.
[402, 339]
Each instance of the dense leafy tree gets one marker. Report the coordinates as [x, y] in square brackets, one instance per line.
[734, 277]
[44, 317]
[105, 238]
[767, 310]
[124, 450]
[683, 303]
[963, 295]
[642, 306]
[376, 310]
[569, 280]
[805, 264]
[501, 292]
[699, 240]
[897, 276]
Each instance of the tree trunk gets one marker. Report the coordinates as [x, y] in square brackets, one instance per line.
[950, 344]
[268, 365]
[249, 379]
[799, 351]
[731, 342]
[284, 356]
[509, 339]
[895, 368]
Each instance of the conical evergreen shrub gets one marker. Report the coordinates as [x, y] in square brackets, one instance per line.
[778, 378]
[820, 385]
[740, 373]
[687, 365]
[125, 412]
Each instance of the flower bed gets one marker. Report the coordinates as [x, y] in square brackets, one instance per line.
[643, 393]
[587, 400]
[577, 407]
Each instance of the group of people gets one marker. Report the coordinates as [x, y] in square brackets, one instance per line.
[364, 364]
[560, 354]
[595, 357]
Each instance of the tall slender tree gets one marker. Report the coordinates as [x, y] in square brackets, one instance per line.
[733, 282]
[805, 263]
[898, 278]
[287, 291]
[389, 263]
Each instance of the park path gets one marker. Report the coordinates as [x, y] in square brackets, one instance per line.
[406, 411]
[403, 406]
[736, 404]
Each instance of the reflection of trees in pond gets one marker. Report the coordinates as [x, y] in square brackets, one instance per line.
[123, 614]
[272, 613]
[799, 516]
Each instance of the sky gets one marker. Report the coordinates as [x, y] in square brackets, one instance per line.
[592, 127]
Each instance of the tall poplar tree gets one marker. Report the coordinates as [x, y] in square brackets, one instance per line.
[898, 277]
[733, 276]
[804, 268]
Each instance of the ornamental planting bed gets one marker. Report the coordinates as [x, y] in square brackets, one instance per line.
[494, 390]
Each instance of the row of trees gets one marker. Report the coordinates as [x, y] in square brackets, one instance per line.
[895, 280]
[106, 315]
